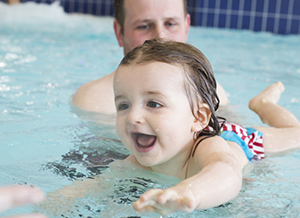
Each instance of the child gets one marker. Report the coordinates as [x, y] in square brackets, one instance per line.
[166, 101]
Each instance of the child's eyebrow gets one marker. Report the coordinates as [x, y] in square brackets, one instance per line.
[155, 93]
[118, 97]
[145, 93]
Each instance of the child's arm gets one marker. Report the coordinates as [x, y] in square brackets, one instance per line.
[218, 181]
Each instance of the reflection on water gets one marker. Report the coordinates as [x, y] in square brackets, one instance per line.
[107, 195]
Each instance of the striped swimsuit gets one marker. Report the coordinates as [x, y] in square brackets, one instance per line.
[250, 140]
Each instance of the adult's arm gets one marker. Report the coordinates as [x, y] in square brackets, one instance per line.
[19, 195]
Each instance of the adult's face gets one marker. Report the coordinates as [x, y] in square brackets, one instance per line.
[150, 19]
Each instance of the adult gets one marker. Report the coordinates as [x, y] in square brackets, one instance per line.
[18, 195]
[135, 22]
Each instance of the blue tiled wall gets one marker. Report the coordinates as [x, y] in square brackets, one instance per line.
[276, 16]
[95, 7]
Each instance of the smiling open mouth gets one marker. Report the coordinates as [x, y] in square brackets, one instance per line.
[143, 140]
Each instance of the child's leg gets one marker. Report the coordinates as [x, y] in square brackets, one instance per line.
[285, 127]
[266, 107]
[276, 140]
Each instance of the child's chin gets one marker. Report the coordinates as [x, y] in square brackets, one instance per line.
[149, 162]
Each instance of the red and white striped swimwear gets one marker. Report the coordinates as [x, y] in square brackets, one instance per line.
[250, 140]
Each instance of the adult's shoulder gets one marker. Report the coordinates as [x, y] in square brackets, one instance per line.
[94, 95]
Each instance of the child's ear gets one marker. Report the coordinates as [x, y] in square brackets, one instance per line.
[203, 117]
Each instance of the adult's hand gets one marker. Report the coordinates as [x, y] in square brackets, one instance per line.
[18, 195]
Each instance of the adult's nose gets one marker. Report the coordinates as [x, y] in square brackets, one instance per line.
[160, 32]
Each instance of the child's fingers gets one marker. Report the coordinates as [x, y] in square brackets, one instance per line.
[171, 197]
[188, 204]
[162, 201]
[151, 194]
[142, 208]
[167, 195]
[147, 206]
[148, 201]
[152, 206]
[142, 203]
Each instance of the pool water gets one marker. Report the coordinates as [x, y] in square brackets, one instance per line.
[45, 55]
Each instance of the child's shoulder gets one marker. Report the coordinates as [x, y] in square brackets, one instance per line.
[214, 145]
[212, 141]
[216, 148]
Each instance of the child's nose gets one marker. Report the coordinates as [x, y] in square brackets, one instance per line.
[135, 116]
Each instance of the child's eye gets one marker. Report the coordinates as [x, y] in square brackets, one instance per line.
[153, 104]
[123, 106]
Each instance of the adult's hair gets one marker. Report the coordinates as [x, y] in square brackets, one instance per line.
[120, 11]
[200, 85]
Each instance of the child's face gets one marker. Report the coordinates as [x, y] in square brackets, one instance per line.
[154, 118]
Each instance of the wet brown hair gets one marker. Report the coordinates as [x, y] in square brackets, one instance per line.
[120, 12]
[201, 84]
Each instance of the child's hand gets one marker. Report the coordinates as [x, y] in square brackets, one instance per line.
[166, 201]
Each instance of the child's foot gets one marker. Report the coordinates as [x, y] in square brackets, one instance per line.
[271, 94]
